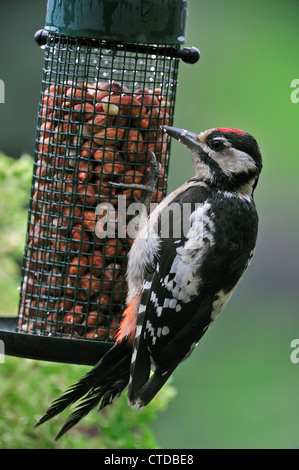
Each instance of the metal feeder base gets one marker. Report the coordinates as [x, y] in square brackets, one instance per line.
[52, 349]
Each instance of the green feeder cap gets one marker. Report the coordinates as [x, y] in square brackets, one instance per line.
[132, 21]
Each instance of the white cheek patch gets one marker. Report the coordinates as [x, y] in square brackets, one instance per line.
[230, 160]
[233, 161]
[202, 170]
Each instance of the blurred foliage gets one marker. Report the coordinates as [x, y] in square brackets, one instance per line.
[15, 180]
[27, 386]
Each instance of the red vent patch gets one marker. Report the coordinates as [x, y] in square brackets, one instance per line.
[229, 129]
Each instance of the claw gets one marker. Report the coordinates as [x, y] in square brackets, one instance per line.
[154, 173]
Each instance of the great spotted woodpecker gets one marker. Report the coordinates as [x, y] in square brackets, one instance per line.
[182, 270]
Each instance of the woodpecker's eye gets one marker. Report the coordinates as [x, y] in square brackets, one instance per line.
[217, 145]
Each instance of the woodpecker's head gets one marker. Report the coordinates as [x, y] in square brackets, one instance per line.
[227, 158]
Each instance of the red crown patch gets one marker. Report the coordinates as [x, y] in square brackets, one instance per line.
[229, 129]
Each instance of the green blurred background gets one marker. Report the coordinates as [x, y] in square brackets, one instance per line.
[240, 388]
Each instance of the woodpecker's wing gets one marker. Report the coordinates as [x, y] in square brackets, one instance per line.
[179, 296]
[193, 278]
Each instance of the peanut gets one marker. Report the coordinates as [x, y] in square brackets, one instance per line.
[86, 111]
[158, 117]
[132, 195]
[87, 195]
[44, 146]
[85, 172]
[113, 247]
[80, 240]
[114, 87]
[112, 272]
[78, 93]
[104, 302]
[89, 220]
[106, 153]
[133, 144]
[94, 319]
[71, 213]
[131, 107]
[101, 94]
[78, 266]
[133, 177]
[110, 135]
[99, 333]
[73, 318]
[88, 149]
[120, 288]
[52, 96]
[63, 305]
[64, 128]
[107, 192]
[96, 263]
[146, 98]
[45, 128]
[111, 104]
[114, 324]
[90, 283]
[110, 169]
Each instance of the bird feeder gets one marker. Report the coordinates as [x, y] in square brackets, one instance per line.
[108, 85]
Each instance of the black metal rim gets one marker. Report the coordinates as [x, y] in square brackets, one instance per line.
[189, 55]
[47, 348]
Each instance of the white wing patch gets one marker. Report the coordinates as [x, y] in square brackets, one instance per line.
[148, 243]
[182, 280]
[221, 299]
[161, 331]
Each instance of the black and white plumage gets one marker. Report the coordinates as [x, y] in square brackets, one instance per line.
[183, 267]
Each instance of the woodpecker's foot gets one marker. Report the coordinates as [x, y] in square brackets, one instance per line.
[149, 189]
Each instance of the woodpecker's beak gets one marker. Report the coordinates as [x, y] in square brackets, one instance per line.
[188, 138]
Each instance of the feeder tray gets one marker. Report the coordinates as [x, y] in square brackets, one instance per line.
[107, 88]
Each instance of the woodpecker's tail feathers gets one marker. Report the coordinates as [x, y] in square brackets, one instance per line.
[100, 386]
[149, 390]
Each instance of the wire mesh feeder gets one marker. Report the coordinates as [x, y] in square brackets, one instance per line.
[101, 109]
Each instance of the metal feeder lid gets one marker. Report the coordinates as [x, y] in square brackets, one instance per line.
[132, 21]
